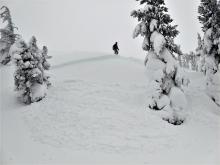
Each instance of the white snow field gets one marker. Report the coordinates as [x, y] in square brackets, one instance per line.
[96, 113]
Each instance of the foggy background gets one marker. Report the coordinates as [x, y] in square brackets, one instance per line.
[94, 25]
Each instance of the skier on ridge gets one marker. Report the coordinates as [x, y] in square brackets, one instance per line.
[115, 48]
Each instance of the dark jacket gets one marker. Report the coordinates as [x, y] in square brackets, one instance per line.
[115, 46]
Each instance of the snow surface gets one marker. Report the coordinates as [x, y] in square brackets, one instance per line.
[96, 113]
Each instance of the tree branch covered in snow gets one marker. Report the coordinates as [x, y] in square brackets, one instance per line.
[154, 16]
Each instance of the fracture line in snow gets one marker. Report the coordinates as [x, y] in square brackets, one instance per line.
[74, 62]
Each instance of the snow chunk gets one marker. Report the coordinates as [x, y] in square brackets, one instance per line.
[16, 48]
[155, 89]
[178, 105]
[178, 99]
[159, 75]
[163, 102]
[145, 43]
[143, 28]
[17, 57]
[38, 92]
[209, 32]
[171, 62]
[153, 63]
[147, 7]
[139, 29]
[153, 25]
[170, 69]
[27, 64]
[158, 41]
[36, 72]
[167, 56]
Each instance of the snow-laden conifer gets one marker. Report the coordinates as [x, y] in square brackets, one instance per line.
[209, 17]
[158, 32]
[30, 78]
[200, 54]
[8, 36]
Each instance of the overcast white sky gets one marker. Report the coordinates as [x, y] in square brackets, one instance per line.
[94, 25]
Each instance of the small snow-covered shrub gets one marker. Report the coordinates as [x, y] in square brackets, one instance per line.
[30, 78]
[162, 67]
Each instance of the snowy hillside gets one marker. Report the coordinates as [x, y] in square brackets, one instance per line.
[96, 113]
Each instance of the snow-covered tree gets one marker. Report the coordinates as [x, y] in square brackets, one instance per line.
[45, 65]
[192, 61]
[200, 55]
[30, 78]
[158, 32]
[7, 34]
[199, 48]
[209, 17]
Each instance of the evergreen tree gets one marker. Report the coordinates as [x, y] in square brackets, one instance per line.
[30, 78]
[200, 54]
[8, 36]
[209, 17]
[192, 61]
[158, 32]
[199, 45]
[45, 65]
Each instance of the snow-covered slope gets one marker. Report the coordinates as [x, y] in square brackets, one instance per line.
[95, 113]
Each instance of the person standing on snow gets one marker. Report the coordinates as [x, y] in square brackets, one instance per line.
[115, 48]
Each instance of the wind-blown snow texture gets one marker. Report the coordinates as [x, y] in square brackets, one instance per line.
[95, 113]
